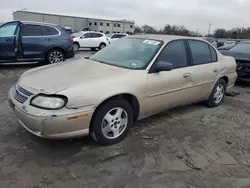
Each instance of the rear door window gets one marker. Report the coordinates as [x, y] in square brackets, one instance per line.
[200, 52]
[213, 54]
[49, 31]
[175, 53]
[32, 30]
[96, 35]
[87, 35]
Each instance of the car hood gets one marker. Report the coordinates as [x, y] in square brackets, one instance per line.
[237, 55]
[54, 78]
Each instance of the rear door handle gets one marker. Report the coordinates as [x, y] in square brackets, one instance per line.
[216, 70]
[186, 75]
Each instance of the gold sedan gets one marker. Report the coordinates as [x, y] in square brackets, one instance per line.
[133, 77]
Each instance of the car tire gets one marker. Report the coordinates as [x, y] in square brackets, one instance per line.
[218, 94]
[102, 45]
[93, 49]
[55, 56]
[111, 122]
[76, 47]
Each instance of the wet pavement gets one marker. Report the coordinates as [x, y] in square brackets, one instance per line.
[187, 147]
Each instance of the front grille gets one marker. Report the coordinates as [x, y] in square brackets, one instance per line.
[21, 94]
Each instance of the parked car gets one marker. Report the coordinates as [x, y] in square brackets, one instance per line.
[129, 79]
[211, 41]
[31, 42]
[89, 39]
[241, 52]
[228, 45]
[68, 29]
[115, 36]
[219, 44]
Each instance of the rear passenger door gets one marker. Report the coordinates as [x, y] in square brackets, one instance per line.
[205, 67]
[33, 41]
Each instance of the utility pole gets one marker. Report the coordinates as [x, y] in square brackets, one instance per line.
[209, 28]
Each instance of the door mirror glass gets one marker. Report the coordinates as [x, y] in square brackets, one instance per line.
[163, 66]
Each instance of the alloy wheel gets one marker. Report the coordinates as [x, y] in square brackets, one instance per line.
[114, 123]
[219, 93]
[55, 57]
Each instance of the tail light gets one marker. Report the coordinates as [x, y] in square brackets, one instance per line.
[69, 39]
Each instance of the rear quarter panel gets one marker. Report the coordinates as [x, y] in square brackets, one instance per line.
[228, 69]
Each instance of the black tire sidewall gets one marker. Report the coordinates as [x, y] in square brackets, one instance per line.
[210, 101]
[48, 61]
[99, 115]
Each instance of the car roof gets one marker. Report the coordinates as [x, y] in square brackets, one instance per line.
[165, 38]
[39, 23]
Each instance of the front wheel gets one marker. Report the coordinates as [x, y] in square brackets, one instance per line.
[111, 122]
[55, 56]
[101, 46]
[218, 94]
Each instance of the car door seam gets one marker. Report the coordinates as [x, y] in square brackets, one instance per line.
[179, 89]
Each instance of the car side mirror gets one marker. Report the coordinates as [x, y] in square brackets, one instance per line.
[163, 66]
[82, 37]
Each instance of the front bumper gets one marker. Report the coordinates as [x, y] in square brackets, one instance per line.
[52, 124]
[243, 71]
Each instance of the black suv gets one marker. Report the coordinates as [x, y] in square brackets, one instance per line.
[30, 42]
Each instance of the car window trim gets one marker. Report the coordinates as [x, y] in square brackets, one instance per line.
[151, 70]
[191, 55]
[59, 32]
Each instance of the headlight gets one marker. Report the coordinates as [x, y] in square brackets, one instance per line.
[49, 101]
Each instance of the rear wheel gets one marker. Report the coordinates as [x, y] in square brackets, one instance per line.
[218, 94]
[55, 56]
[111, 122]
[101, 46]
[76, 47]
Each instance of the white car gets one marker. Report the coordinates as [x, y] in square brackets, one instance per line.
[89, 39]
[115, 36]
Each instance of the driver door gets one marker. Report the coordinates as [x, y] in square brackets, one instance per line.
[168, 89]
[85, 40]
[10, 41]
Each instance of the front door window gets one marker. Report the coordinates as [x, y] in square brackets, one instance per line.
[8, 30]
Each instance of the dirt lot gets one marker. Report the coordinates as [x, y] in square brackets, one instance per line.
[188, 147]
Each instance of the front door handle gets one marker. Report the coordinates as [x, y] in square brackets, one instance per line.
[216, 70]
[186, 75]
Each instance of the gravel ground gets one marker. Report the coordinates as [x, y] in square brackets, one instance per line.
[188, 147]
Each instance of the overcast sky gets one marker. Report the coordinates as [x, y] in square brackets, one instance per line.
[193, 14]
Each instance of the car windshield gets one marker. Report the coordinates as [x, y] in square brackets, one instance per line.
[243, 47]
[128, 53]
[78, 34]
